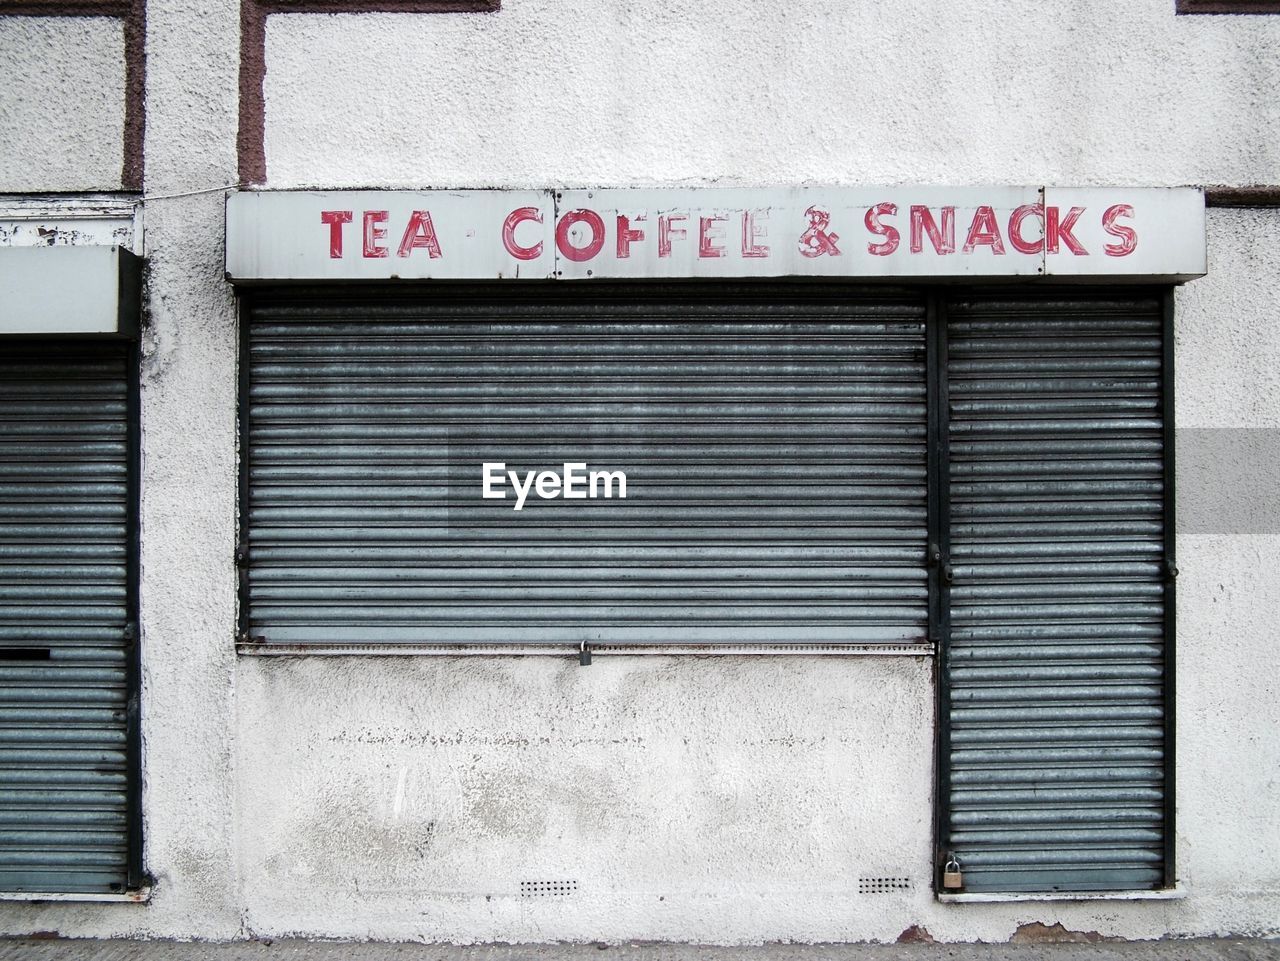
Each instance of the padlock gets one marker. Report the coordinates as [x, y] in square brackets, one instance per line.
[952, 879]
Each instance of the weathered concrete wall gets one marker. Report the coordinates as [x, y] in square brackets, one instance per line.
[1229, 595]
[616, 92]
[1228, 411]
[189, 476]
[692, 798]
[62, 107]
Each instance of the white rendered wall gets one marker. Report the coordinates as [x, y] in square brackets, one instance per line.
[1228, 413]
[618, 93]
[189, 477]
[62, 106]
[690, 798]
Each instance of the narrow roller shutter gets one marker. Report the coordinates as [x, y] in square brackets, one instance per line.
[773, 446]
[64, 614]
[1056, 766]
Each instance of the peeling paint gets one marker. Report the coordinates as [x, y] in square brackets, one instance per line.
[1037, 932]
[916, 935]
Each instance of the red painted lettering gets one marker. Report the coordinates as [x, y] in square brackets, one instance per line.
[708, 233]
[419, 232]
[1057, 230]
[592, 246]
[890, 233]
[944, 240]
[628, 235]
[335, 219]
[666, 232]
[373, 233]
[984, 231]
[514, 220]
[753, 231]
[1020, 244]
[818, 238]
[1128, 236]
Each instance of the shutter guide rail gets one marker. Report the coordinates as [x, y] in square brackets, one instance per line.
[1168, 434]
[939, 577]
[138, 880]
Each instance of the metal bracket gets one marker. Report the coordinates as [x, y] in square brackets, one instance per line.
[936, 560]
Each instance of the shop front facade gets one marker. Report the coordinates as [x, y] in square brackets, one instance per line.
[526, 492]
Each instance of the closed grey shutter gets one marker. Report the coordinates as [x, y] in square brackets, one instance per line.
[773, 445]
[1056, 727]
[64, 613]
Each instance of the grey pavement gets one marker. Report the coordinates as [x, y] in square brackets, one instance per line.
[1224, 949]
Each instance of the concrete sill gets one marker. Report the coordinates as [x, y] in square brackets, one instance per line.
[1171, 894]
[140, 896]
[280, 649]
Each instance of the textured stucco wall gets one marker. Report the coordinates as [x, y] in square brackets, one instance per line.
[1228, 411]
[62, 106]
[704, 799]
[189, 475]
[694, 798]
[618, 92]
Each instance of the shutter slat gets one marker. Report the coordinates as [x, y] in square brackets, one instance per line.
[774, 449]
[1055, 661]
[63, 611]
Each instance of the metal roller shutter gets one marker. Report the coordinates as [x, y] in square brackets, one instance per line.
[65, 676]
[1054, 674]
[773, 444]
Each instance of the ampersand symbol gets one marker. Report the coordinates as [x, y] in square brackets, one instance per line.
[817, 240]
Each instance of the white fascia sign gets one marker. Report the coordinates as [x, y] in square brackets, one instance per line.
[67, 289]
[964, 233]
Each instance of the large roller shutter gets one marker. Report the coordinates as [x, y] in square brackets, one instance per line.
[1055, 770]
[65, 764]
[773, 443]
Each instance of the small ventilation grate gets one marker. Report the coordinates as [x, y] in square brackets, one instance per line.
[548, 889]
[883, 885]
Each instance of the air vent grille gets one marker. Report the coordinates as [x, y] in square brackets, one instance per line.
[548, 889]
[883, 885]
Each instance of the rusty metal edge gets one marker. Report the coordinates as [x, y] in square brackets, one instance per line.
[140, 895]
[1227, 7]
[1257, 196]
